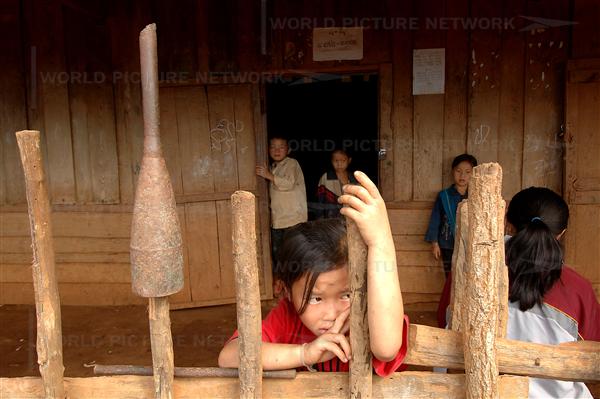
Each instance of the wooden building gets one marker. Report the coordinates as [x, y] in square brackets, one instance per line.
[522, 87]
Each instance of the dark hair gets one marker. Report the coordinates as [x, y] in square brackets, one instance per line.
[340, 151]
[464, 158]
[311, 248]
[278, 137]
[534, 255]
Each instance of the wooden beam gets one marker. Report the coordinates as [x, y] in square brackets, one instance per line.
[386, 134]
[187, 372]
[212, 302]
[361, 384]
[161, 342]
[206, 78]
[502, 270]
[480, 306]
[247, 290]
[576, 361]
[47, 300]
[414, 385]
[402, 106]
[459, 265]
[200, 197]
[262, 188]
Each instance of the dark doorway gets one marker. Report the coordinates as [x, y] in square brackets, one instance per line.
[324, 113]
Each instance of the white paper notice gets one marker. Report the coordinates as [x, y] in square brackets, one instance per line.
[429, 71]
[334, 44]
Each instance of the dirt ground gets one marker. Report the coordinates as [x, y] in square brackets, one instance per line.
[120, 335]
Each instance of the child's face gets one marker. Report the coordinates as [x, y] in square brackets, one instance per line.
[340, 161]
[462, 173]
[329, 298]
[278, 149]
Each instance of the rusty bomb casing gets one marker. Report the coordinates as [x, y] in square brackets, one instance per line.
[156, 246]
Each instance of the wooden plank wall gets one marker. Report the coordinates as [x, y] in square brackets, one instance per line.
[92, 241]
[504, 101]
[582, 181]
[582, 249]
[13, 111]
[92, 109]
[90, 244]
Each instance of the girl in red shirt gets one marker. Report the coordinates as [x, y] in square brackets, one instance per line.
[309, 327]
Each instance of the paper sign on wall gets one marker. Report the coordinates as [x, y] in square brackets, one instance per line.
[429, 71]
[334, 44]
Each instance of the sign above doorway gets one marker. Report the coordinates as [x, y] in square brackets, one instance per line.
[336, 44]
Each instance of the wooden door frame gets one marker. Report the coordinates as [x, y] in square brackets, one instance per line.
[384, 135]
[262, 154]
[385, 100]
[580, 193]
[578, 71]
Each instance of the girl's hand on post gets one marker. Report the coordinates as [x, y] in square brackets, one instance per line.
[366, 207]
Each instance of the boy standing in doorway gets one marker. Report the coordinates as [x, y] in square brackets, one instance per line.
[286, 189]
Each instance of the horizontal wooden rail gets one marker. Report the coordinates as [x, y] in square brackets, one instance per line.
[436, 347]
[414, 385]
[187, 372]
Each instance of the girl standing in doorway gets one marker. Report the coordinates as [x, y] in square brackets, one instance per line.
[331, 183]
[443, 215]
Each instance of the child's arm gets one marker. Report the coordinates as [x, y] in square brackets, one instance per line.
[285, 176]
[277, 356]
[437, 251]
[434, 228]
[290, 356]
[274, 356]
[386, 310]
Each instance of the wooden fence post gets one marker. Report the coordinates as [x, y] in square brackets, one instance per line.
[459, 265]
[460, 268]
[480, 323]
[247, 292]
[502, 271]
[361, 370]
[47, 301]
